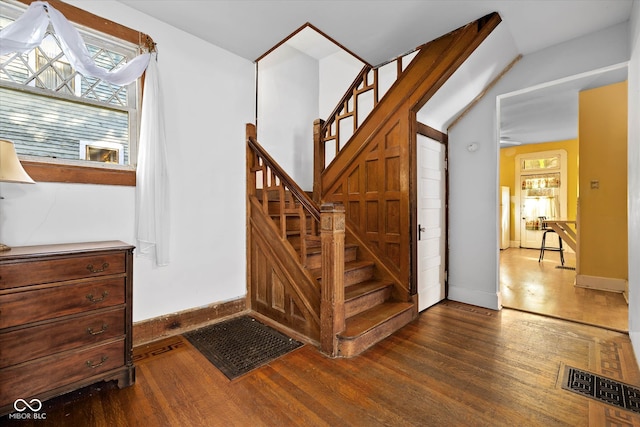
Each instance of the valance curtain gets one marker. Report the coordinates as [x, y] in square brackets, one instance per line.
[152, 207]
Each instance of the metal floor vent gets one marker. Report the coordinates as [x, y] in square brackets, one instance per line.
[565, 267]
[602, 389]
[240, 345]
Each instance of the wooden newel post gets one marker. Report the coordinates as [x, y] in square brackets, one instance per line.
[318, 159]
[332, 283]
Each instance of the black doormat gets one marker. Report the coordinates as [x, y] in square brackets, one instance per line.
[602, 389]
[239, 345]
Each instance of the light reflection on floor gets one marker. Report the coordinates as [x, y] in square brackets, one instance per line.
[540, 287]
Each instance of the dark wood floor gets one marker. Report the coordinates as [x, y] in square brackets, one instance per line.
[541, 287]
[457, 365]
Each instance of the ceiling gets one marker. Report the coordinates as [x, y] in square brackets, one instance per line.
[378, 30]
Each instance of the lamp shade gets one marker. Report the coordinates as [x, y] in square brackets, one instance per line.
[10, 168]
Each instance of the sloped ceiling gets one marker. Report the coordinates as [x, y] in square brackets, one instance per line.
[378, 30]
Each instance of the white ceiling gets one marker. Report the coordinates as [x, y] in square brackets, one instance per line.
[378, 30]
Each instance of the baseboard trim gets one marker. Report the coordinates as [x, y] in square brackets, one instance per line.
[149, 330]
[601, 283]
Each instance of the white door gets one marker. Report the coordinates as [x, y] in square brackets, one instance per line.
[431, 222]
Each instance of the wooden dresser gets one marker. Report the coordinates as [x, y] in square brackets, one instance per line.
[65, 319]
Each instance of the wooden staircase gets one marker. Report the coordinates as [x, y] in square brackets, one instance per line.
[342, 274]
[371, 312]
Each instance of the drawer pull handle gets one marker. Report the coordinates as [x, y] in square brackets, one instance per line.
[92, 269]
[92, 366]
[95, 300]
[101, 331]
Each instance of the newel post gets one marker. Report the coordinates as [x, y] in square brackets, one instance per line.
[318, 159]
[332, 320]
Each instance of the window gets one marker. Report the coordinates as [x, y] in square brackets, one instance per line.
[57, 116]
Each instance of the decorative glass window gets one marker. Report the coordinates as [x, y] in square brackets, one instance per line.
[50, 111]
[541, 163]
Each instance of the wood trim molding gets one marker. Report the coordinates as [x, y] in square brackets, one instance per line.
[309, 25]
[482, 94]
[43, 171]
[56, 172]
[80, 16]
[154, 329]
[430, 132]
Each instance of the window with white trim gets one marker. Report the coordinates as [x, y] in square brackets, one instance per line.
[52, 113]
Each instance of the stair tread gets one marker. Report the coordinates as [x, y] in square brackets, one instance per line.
[363, 288]
[369, 319]
[348, 266]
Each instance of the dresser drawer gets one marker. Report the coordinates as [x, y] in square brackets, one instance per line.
[24, 273]
[31, 343]
[20, 308]
[30, 379]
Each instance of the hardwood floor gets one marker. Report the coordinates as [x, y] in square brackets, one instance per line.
[542, 288]
[456, 365]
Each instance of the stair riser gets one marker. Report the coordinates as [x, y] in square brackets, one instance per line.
[367, 301]
[349, 347]
[358, 275]
[293, 223]
[315, 260]
[274, 207]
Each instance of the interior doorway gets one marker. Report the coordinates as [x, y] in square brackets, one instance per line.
[547, 287]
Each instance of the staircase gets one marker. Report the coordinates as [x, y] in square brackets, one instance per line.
[371, 312]
[342, 274]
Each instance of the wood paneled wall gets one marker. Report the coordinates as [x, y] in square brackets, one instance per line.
[371, 175]
[280, 287]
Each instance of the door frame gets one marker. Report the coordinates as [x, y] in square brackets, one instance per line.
[416, 128]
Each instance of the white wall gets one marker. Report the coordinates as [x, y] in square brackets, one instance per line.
[295, 89]
[337, 72]
[287, 107]
[634, 178]
[474, 177]
[209, 96]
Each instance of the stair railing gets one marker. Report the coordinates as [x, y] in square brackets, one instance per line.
[351, 111]
[264, 175]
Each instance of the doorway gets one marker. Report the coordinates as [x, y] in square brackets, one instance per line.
[527, 283]
[431, 216]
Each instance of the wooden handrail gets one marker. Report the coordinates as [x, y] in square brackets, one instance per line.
[299, 194]
[323, 129]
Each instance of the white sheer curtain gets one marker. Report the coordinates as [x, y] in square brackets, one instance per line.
[152, 190]
[152, 182]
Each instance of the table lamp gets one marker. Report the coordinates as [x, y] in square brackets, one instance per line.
[11, 170]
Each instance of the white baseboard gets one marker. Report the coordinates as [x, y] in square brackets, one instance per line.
[601, 283]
